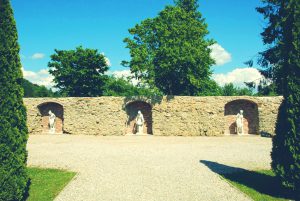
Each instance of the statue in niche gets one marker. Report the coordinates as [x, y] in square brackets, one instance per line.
[240, 123]
[139, 121]
[51, 122]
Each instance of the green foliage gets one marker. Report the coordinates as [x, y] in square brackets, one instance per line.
[283, 60]
[122, 87]
[190, 6]
[46, 184]
[171, 52]
[79, 72]
[265, 87]
[286, 144]
[34, 90]
[266, 90]
[231, 90]
[13, 129]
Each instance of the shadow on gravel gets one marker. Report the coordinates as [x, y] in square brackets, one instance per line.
[263, 182]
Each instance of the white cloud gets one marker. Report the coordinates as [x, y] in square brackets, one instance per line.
[106, 59]
[219, 54]
[38, 56]
[44, 72]
[238, 76]
[29, 74]
[41, 77]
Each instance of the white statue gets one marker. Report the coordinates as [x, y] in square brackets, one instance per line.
[139, 121]
[240, 123]
[51, 122]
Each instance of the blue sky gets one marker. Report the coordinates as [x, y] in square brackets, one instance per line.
[103, 24]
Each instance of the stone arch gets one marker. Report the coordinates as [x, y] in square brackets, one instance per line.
[58, 110]
[132, 109]
[251, 118]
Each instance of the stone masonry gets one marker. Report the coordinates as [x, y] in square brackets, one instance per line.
[164, 116]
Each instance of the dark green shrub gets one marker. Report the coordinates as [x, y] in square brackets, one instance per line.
[13, 129]
[286, 145]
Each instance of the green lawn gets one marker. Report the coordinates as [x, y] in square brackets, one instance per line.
[46, 184]
[259, 185]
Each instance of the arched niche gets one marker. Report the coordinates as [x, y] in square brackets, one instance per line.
[132, 109]
[58, 110]
[251, 119]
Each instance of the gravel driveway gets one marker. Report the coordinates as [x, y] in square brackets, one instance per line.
[138, 168]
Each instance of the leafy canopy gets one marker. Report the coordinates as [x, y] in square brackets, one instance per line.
[79, 72]
[122, 87]
[231, 90]
[190, 6]
[171, 52]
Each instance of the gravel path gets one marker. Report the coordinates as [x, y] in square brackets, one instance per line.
[149, 168]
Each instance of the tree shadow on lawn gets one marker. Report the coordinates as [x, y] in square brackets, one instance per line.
[258, 181]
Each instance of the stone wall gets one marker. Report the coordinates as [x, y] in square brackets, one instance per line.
[177, 116]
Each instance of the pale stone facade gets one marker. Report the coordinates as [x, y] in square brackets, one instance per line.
[176, 116]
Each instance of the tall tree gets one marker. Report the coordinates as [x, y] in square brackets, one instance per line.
[79, 72]
[282, 59]
[171, 51]
[13, 129]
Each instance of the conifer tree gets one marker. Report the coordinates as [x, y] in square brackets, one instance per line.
[282, 58]
[13, 129]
